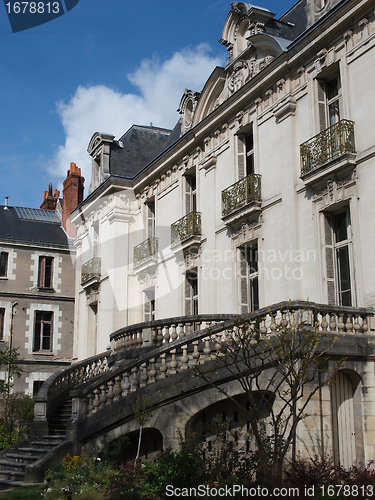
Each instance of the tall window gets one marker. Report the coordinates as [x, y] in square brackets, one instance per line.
[149, 305]
[191, 194]
[3, 264]
[2, 314]
[95, 239]
[45, 272]
[245, 155]
[249, 278]
[150, 219]
[43, 331]
[191, 293]
[338, 244]
[329, 95]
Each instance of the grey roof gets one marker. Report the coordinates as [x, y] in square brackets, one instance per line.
[38, 227]
[140, 145]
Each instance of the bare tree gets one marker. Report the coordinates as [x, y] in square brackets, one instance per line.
[279, 372]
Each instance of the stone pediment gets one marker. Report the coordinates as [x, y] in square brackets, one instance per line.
[250, 50]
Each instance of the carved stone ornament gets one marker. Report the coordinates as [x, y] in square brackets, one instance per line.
[246, 232]
[242, 72]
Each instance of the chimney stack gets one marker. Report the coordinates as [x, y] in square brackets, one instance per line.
[50, 200]
[72, 197]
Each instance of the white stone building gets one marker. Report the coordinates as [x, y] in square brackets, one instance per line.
[262, 193]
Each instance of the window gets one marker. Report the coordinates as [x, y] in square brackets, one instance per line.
[43, 331]
[3, 264]
[45, 272]
[150, 219]
[2, 314]
[338, 247]
[37, 384]
[191, 194]
[149, 305]
[329, 95]
[191, 293]
[245, 155]
[95, 239]
[249, 282]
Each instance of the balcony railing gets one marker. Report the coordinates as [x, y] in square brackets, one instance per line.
[186, 227]
[327, 145]
[241, 193]
[145, 250]
[91, 269]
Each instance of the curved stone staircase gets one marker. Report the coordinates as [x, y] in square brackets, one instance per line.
[90, 397]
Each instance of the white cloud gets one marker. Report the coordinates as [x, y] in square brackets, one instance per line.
[160, 86]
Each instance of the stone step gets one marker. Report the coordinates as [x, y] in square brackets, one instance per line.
[10, 465]
[31, 451]
[11, 475]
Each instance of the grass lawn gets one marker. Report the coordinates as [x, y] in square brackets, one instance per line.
[22, 493]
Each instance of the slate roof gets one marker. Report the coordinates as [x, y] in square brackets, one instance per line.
[141, 144]
[16, 226]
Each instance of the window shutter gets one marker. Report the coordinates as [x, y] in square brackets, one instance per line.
[322, 105]
[188, 193]
[147, 315]
[42, 271]
[95, 239]
[241, 157]
[244, 278]
[328, 235]
[188, 297]
[150, 207]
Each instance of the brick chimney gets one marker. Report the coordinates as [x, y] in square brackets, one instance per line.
[72, 197]
[49, 199]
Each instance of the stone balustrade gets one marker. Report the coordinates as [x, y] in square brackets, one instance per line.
[178, 345]
[163, 331]
[177, 350]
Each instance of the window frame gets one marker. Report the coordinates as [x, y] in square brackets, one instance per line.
[333, 247]
[45, 272]
[191, 293]
[149, 305]
[249, 277]
[4, 263]
[38, 346]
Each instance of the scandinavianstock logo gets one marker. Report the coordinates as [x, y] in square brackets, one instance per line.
[25, 15]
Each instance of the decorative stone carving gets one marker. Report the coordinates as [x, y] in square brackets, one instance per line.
[246, 232]
[242, 72]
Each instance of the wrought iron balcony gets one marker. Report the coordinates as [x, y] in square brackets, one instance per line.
[329, 144]
[91, 269]
[186, 227]
[241, 193]
[145, 250]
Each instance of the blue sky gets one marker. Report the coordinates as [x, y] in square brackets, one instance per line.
[103, 66]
